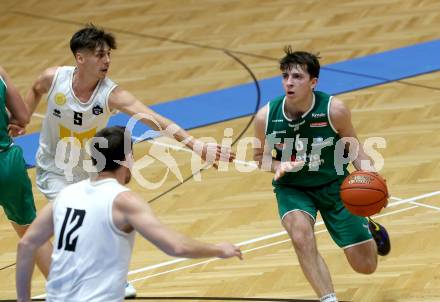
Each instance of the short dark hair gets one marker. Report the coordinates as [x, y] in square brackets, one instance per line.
[91, 37]
[117, 141]
[307, 60]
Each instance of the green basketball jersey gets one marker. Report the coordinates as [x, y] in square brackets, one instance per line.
[5, 140]
[311, 138]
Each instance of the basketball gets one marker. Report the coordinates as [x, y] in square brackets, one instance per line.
[364, 193]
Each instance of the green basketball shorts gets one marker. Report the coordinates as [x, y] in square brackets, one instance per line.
[15, 187]
[345, 228]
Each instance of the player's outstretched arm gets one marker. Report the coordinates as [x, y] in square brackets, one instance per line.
[39, 87]
[131, 211]
[124, 101]
[36, 235]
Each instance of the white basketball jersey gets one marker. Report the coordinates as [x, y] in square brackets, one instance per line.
[68, 117]
[90, 254]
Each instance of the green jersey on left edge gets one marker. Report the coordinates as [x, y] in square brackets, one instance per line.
[311, 138]
[5, 139]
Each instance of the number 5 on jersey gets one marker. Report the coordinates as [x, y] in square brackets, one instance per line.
[77, 118]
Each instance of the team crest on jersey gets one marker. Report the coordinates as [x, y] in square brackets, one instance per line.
[97, 110]
[60, 99]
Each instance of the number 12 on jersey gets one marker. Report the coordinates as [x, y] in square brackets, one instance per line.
[72, 222]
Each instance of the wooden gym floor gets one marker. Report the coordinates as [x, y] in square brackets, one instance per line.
[172, 49]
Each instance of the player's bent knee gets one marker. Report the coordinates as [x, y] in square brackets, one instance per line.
[362, 258]
[364, 266]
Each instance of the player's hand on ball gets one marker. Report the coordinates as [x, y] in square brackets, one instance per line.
[229, 250]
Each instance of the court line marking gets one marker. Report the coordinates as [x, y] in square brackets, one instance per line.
[399, 202]
[253, 249]
[151, 267]
[213, 259]
[425, 205]
[419, 204]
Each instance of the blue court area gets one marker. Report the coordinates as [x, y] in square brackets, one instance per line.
[239, 101]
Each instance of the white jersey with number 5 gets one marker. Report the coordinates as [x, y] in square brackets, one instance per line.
[68, 117]
[90, 255]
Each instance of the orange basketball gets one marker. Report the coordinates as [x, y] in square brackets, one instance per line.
[364, 193]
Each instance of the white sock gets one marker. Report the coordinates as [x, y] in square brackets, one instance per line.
[329, 298]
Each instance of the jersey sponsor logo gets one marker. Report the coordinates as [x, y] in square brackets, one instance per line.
[97, 110]
[318, 124]
[56, 113]
[60, 99]
[277, 121]
[318, 115]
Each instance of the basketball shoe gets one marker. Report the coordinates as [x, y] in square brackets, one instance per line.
[130, 291]
[380, 235]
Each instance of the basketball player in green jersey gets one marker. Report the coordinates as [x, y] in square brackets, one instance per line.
[15, 186]
[300, 136]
